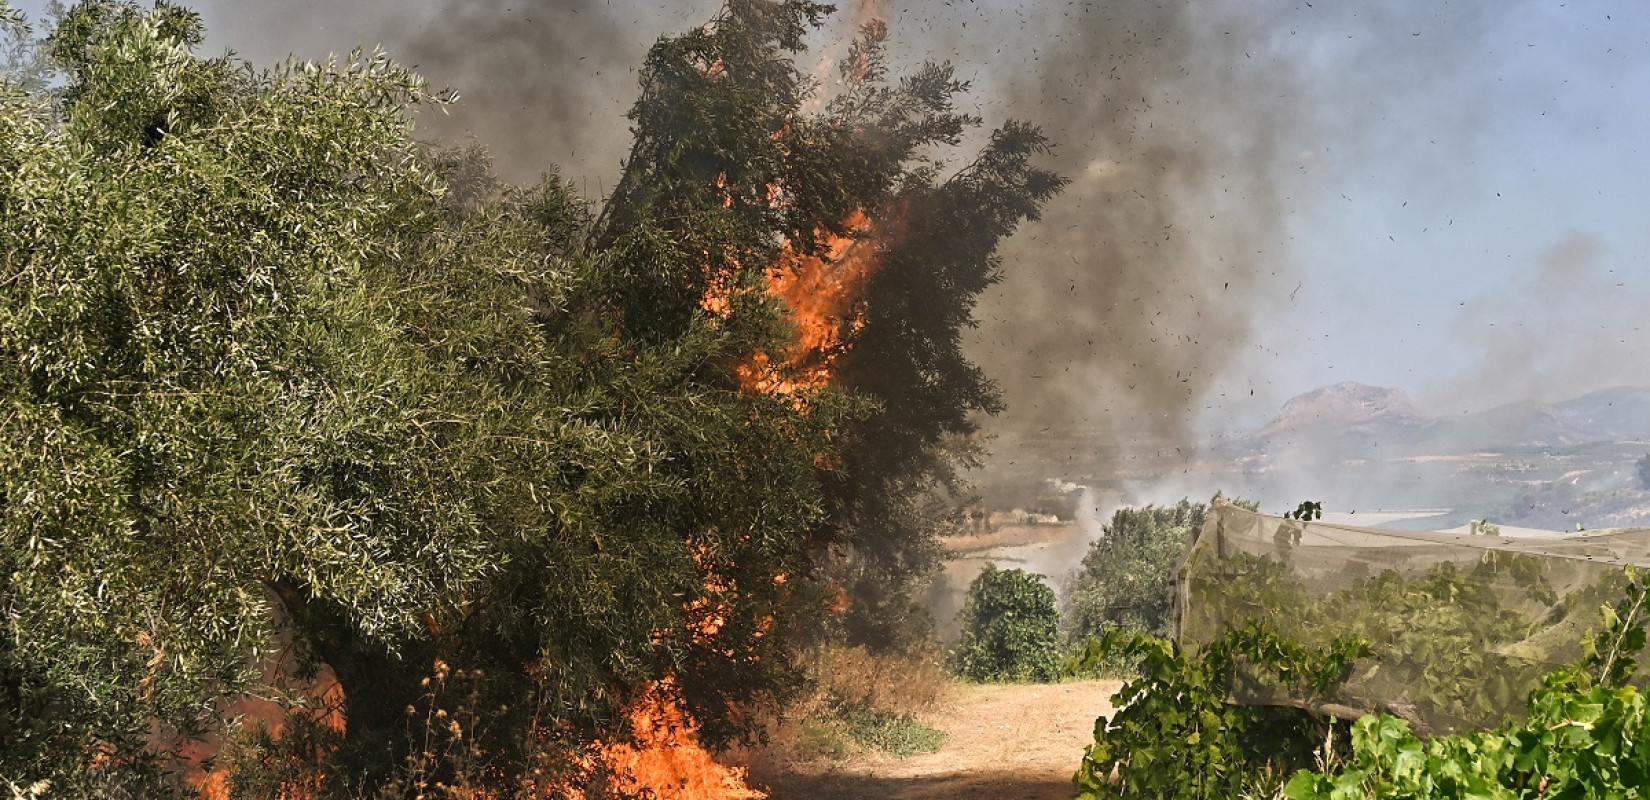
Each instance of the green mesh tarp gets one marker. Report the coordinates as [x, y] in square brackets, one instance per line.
[1460, 625]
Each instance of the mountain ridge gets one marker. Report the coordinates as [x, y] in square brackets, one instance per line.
[1382, 415]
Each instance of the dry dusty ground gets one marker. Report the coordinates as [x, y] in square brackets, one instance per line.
[1004, 743]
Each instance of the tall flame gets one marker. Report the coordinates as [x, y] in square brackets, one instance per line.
[823, 292]
[663, 757]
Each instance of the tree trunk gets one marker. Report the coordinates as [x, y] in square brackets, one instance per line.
[377, 685]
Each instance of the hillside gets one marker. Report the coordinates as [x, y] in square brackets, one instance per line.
[1388, 417]
[1356, 446]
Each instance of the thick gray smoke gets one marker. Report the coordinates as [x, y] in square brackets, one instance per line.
[1193, 133]
[1565, 323]
[1198, 135]
[542, 83]
[1143, 280]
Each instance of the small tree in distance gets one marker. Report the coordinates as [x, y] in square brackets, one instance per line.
[1009, 629]
[1127, 577]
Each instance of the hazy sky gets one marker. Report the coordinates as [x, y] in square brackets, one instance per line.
[1443, 197]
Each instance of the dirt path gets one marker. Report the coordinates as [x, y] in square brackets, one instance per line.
[1004, 743]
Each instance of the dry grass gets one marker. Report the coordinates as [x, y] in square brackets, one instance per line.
[906, 684]
[861, 703]
[1004, 742]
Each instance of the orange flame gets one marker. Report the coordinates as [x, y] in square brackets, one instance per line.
[823, 292]
[324, 707]
[663, 757]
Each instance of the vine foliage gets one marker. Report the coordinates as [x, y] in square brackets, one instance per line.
[1585, 735]
[1177, 736]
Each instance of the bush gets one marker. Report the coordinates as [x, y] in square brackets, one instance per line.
[1586, 735]
[1093, 660]
[1010, 629]
[1175, 736]
[899, 735]
[1127, 577]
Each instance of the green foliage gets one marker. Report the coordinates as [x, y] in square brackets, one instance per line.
[264, 358]
[1127, 576]
[728, 168]
[894, 733]
[1306, 511]
[900, 484]
[1009, 629]
[253, 357]
[261, 763]
[1127, 581]
[1094, 660]
[1450, 645]
[846, 728]
[1585, 736]
[183, 363]
[1175, 735]
[1608, 653]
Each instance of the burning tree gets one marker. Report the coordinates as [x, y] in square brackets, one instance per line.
[274, 376]
[848, 225]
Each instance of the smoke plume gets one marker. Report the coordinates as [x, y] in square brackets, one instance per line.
[542, 84]
[1566, 322]
[1193, 133]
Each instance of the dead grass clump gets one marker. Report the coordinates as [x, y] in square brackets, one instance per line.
[861, 703]
[896, 682]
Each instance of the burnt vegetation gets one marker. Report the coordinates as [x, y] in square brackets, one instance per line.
[287, 396]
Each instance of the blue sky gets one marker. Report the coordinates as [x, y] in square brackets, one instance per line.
[1458, 191]
[1440, 232]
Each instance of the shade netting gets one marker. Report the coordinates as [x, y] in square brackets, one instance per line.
[1460, 625]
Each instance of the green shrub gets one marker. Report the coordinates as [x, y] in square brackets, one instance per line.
[1176, 738]
[890, 732]
[844, 730]
[1092, 660]
[1452, 644]
[1586, 736]
[1127, 576]
[1010, 629]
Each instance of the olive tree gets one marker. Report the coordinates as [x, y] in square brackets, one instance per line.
[275, 375]
[190, 379]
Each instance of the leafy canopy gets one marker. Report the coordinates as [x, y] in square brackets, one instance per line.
[1127, 576]
[1009, 627]
[274, 376]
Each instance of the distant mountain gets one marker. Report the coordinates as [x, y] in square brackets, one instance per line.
[1346, 420]
[1349, 418]
[1345, 404]
[1620, 413]
[1358, 446]
[1519, 426]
